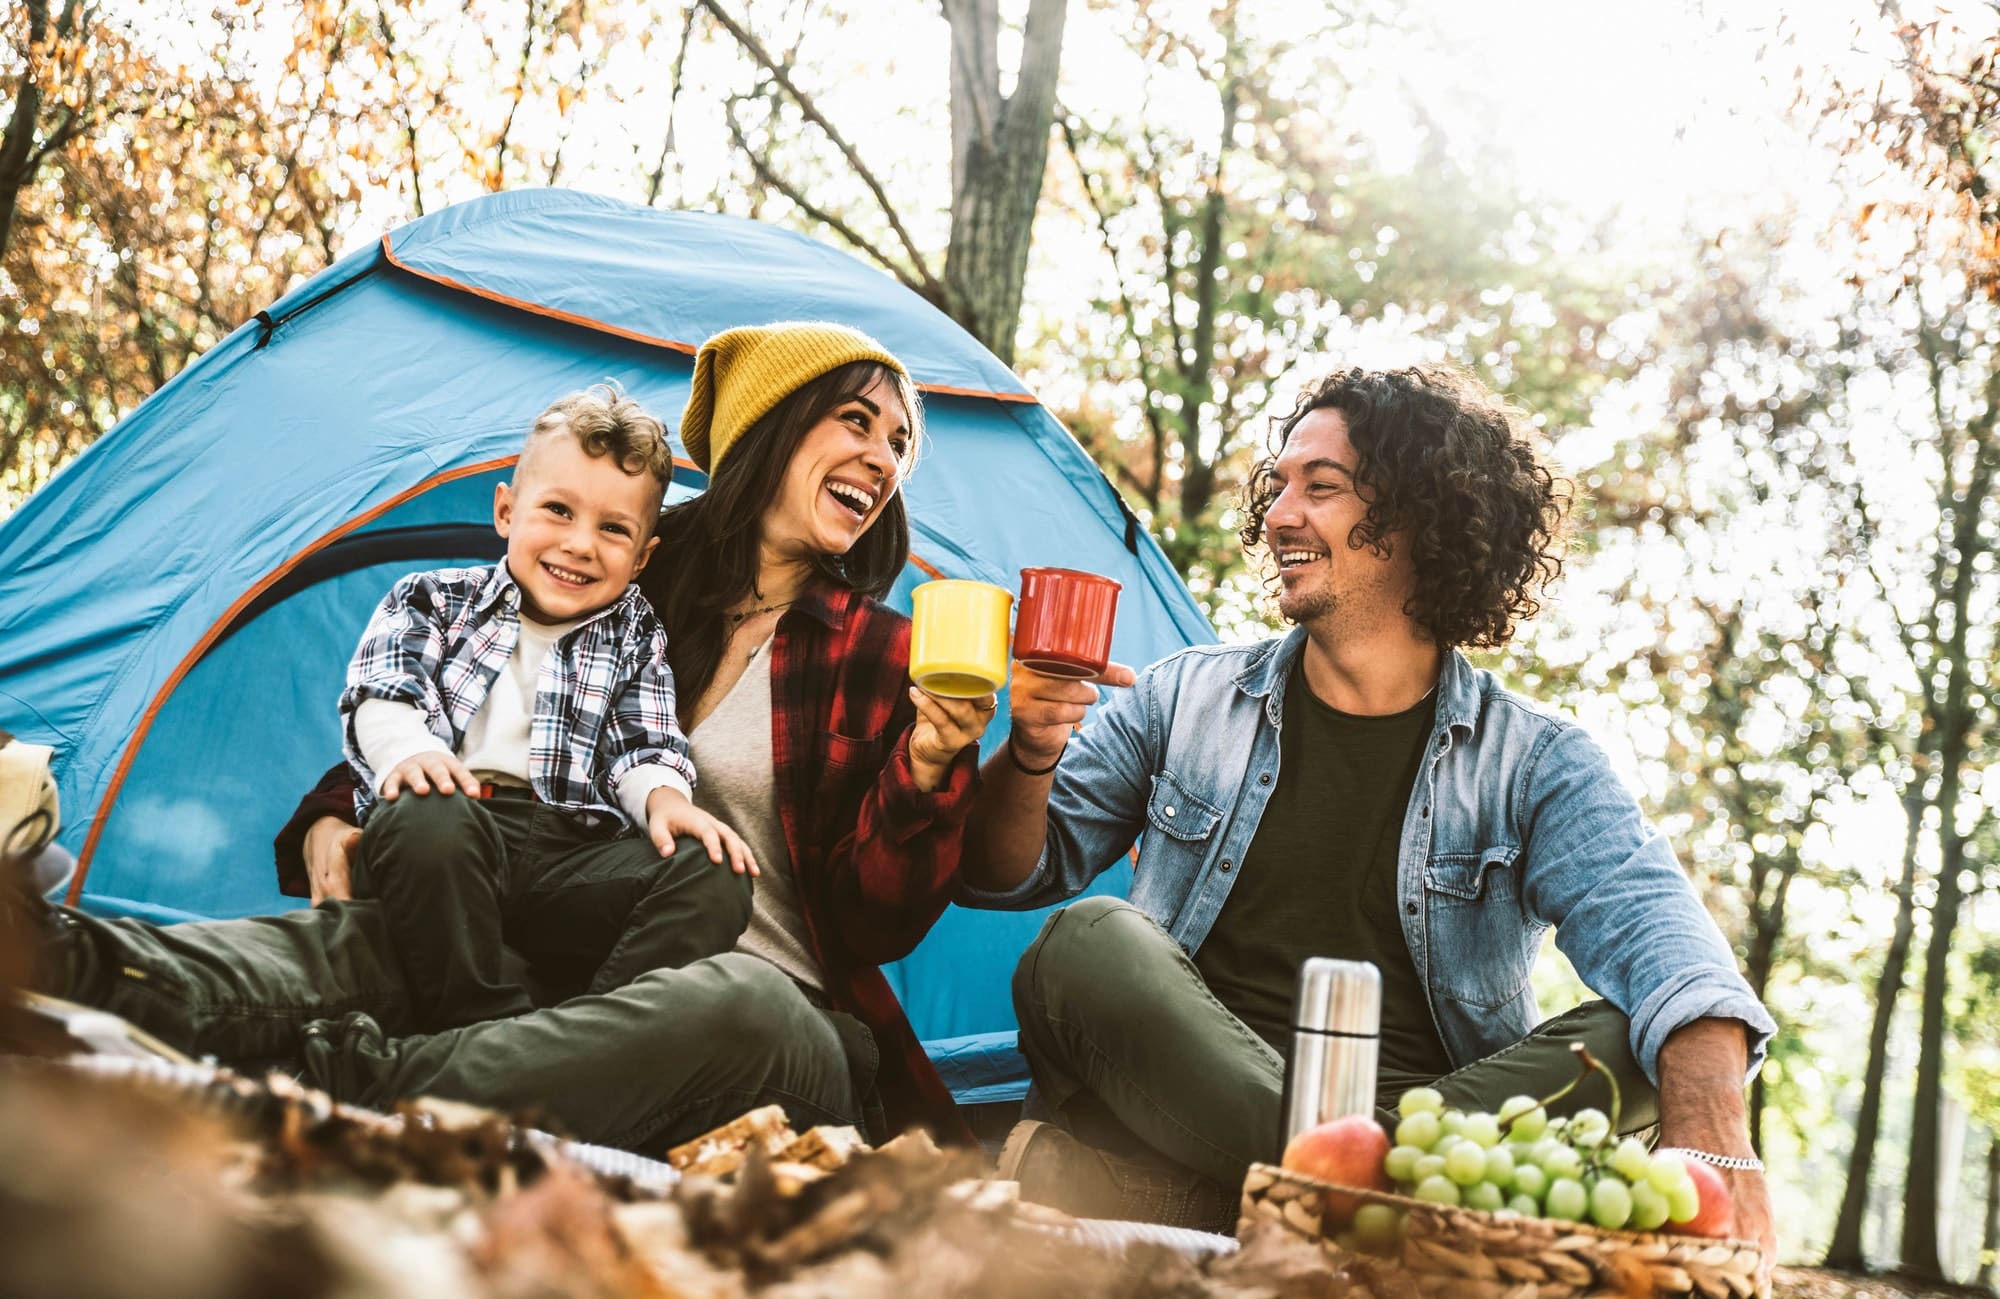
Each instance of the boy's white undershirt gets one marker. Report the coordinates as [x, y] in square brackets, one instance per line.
[390, 732]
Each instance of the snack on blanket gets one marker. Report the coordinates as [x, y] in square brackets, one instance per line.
[825, 1147]
[721, 1151]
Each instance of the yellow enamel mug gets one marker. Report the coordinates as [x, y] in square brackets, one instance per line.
[958, 637]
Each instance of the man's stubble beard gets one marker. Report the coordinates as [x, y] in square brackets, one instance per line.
[1308, 606]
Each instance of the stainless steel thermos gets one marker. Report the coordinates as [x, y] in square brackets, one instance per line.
[1336, 1038]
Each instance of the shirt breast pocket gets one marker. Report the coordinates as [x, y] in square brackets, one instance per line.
[849, 754]
[1178, 829]
[1481, 943]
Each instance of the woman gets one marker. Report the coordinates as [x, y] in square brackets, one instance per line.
[851, 787]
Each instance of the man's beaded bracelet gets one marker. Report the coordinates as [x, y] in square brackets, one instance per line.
[1749, 1163]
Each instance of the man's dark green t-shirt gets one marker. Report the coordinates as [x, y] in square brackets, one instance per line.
[1320, 877]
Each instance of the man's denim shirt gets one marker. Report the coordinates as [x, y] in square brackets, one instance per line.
[1516, 823]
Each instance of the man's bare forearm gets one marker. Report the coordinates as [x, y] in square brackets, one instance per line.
[1008, 825]
[1702, 1066]
[1010, 822]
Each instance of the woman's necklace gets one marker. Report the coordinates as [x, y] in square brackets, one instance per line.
[747, 614]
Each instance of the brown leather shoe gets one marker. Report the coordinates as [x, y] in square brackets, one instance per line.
[1056, 1169]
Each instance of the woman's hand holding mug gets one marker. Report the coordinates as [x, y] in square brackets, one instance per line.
[943, 729]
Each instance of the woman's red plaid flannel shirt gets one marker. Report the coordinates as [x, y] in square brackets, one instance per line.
[875, 858]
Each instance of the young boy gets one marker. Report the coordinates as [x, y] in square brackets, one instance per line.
[511, 723]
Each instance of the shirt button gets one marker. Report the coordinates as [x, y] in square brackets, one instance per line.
[1410, 907]
[1225, 865]
[1264, 779]
[1170, 811]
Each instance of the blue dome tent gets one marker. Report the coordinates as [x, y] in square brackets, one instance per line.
[177, 607]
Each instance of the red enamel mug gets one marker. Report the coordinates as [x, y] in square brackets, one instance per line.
[1062, 627]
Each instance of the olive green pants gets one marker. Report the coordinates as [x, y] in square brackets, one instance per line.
[462, 880]
[665, 1057]
[1131, 1051]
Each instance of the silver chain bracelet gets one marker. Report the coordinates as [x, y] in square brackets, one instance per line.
[1748, 1163]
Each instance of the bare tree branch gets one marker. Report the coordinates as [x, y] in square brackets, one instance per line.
[528, 21]
[771, 178]
[673, 103]
[586, 76]
[1170, 272]
[403, 105]
[291, 160]
[68, 129]
[1148, 405]
[930, 286]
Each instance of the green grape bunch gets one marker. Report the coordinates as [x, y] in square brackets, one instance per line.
[1522, 1162]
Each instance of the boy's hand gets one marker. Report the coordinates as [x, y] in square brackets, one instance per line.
[943, 728]
[329, 851]
[670, 814]
[423, 772]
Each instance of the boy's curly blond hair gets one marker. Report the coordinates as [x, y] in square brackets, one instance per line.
[606, 422]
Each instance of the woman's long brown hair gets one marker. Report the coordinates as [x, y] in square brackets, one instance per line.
[708, 553]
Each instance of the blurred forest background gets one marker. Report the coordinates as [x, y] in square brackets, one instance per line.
[1740, 261]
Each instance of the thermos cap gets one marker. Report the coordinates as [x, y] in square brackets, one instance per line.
[1338, 997]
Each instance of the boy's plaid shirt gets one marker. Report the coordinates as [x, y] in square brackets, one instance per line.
[605, 703]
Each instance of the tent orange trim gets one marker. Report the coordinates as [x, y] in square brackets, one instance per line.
[687, 349]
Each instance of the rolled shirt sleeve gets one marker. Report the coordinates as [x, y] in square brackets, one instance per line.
[1624, 911]
[638, 783]
[389, 733]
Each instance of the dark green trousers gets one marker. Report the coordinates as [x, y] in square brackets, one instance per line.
[463, 879]
[661, 1059]
[1132, 1052]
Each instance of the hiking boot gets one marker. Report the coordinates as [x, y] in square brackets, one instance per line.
[1056, 1169]
[346, 1058]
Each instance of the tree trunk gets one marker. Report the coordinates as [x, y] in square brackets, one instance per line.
[1767, 921]
[1198, 471]
[1757, 973]
[1000, 148]
[1953, 717]
[17, 142]
[1989, 1239]
[1846, 1252]
[1920, 1183]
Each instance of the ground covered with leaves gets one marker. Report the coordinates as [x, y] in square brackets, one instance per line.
[1817, 1283]
[115, 1186]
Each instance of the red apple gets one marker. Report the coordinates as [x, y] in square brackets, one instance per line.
[1345, 1151]
[1717, 1211]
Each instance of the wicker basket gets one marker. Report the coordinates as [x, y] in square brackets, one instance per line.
[1454, 1251]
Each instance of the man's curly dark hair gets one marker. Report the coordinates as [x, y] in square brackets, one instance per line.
[1445, 463]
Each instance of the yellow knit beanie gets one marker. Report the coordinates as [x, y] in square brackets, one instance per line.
[741, 374]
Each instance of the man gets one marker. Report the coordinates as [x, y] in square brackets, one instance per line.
[1356, 789]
